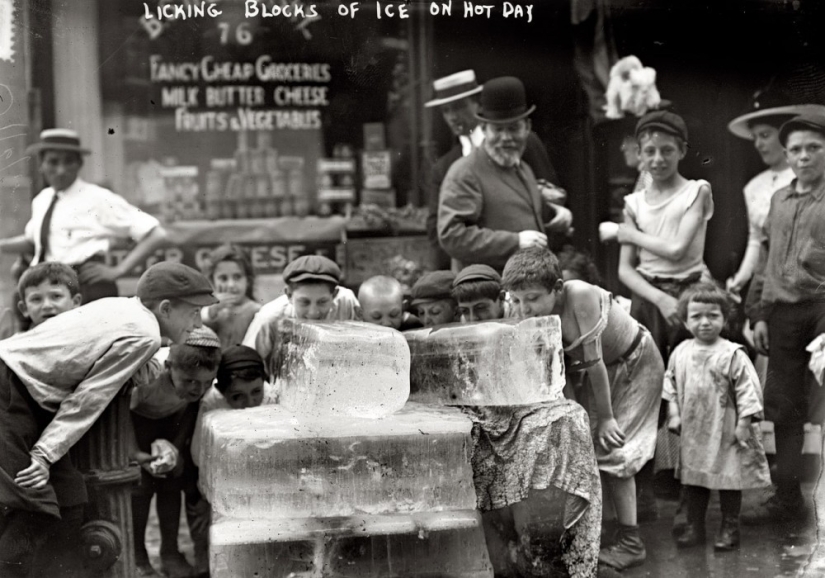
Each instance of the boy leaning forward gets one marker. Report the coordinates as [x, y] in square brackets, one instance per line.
[58, 378]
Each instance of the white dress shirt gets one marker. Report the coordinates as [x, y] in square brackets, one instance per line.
[85, 219]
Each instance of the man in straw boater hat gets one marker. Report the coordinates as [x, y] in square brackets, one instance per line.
[74, 222]
[457, 98]
[767, 111]
[490, 202]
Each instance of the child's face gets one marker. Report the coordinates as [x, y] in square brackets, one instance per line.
[313, 301]
[483, 309]
[535, 301]
[805, 151]
[386, 310]
[630, 150]
[705, 321]
[229, 277]
[436, 312]
[191, 383]
[243, 393]
[178, 319]
[661, 153]
[47, 300]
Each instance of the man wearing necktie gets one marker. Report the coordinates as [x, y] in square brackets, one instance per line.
[490, 203]
[74, 222]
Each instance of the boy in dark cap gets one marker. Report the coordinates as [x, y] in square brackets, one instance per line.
[431, 298]
[786, 306]
[56, 380]
[478, 295]
[312, 292]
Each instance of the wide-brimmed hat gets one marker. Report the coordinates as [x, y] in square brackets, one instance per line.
[454, 87]
[766, 104]
[503, 100]
[58, 139]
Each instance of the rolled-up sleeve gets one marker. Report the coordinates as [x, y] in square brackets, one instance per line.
[459, 211]
[124, 220]
[80, 409]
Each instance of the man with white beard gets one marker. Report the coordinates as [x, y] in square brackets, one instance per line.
[490, 204]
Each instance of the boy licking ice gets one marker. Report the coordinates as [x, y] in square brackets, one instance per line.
[431, 299]
[58, 378]
[478, 295]
[382, 303]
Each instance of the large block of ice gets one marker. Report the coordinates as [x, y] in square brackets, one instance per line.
[266, 462]
[447, 544]
[342, 368]
[506, 362]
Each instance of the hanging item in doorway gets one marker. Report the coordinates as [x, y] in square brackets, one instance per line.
[632, 89]
[7, 30]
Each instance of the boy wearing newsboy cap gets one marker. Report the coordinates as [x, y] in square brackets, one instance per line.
[58, 378]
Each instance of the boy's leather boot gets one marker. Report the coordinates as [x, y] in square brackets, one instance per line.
[728, 537]
[692, 535]
[627, 552]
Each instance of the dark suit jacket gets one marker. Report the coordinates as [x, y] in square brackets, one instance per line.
[483, 207]
[535, 155]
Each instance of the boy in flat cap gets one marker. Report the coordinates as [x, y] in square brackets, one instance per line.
[786, 306]
[56, 380]
[478, 294]
[431, 298]
[312, 292]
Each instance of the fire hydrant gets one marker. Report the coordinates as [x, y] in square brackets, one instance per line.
[103, 456]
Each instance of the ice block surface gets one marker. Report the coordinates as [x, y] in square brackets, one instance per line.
[445, 544]
[267, 462]
[343, 368]
[506, 362]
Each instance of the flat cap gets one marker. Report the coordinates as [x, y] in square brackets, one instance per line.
[477, 272]
[312, 267]
[203, 337]
[664, 121]
[167, 280]
[814, 122]
[240, 357]
[432, 287]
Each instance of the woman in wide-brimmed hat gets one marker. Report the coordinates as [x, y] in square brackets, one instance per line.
[767, 111]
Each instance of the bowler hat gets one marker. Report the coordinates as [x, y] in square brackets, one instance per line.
[312, 267]
[454, 87]
[814, 122]
[58, 139]
[664, 121]
[503, 100]
[167, 280]
[476, 272]
[432, 287]
[769, 103]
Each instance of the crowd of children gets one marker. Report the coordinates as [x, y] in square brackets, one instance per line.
[660, 367]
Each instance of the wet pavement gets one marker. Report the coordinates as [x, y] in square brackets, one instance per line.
[768, 551]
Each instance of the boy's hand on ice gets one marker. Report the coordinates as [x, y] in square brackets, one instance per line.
[674, 424]
[609, 434]
[743, 432]
[34, 477]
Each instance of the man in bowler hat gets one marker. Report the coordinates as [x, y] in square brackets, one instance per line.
[490, 203]
[74, 222]
[456, 97]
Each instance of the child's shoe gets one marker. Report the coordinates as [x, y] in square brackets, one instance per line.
[692, 535]
[728, 537]
[176, 566]
[627, 552]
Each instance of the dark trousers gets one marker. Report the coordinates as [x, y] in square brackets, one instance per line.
[176, 428]
[791, 399]
[697, 498]
[28, 515]
[94, 291]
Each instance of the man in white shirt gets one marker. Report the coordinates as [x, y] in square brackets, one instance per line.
[74, 222]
